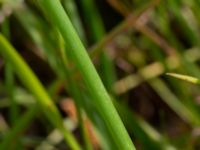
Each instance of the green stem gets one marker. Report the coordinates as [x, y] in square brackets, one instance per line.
[56, 13]
[75, 93]
[72, 11]
[10, 85]
[9, 78]
[97, 32]
[29, 79]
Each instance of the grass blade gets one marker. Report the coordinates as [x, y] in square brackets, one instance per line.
[33, 84]
[56, 13]
[184, 77]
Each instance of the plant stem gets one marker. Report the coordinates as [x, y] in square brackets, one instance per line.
[97, 32]
[75, 93]
[56, 13]
[29, 79]
[9, 78]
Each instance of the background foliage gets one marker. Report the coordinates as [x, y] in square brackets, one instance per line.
[133, 44]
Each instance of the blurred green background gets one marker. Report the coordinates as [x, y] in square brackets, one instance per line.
[133, 44]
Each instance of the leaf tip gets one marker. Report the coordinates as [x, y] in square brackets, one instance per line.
[184, 77]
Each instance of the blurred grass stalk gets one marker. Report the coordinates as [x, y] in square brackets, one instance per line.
[71, 8]
[72, 11]
[94, 22]
[171, 100]
[32, 83]
[10, 85]
[9, 78]
[54, 10]
[75, 93]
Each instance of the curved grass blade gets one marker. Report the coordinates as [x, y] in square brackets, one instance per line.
[29, 79]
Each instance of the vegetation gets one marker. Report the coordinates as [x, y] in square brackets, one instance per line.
[95, 74]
